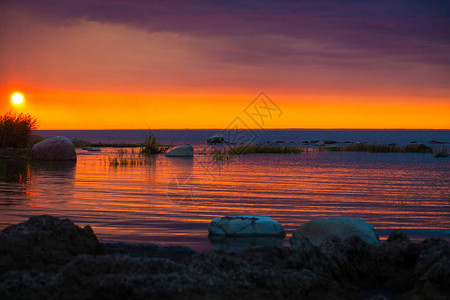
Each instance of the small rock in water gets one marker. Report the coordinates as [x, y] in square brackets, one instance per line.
[216, 139]
[418, 148]
[246, 226]
[92, 149]
[184, 151]
[329, 142]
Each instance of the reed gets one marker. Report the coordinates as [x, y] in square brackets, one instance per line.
[16, 129]
[130, 160]
[249, 149]
[152, 146]
[378, 148]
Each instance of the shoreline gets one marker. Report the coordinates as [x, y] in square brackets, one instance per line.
[51, 258]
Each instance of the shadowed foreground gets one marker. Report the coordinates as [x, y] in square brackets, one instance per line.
[50, 258]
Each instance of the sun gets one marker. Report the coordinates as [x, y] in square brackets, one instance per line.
[17, 98]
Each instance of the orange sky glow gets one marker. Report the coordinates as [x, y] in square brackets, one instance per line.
[108, 72]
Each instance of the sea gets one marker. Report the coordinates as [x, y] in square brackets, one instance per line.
[170, 201]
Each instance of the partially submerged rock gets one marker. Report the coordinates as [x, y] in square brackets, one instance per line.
[418, 148]
[216, 139]
[94, 149]
[246, 226]
[54, 148]
[184, 151]
[319, 230]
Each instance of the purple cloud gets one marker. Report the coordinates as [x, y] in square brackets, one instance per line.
[412, 30]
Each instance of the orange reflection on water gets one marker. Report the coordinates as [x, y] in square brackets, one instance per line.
[144, 204]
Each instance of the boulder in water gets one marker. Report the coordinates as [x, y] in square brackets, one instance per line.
[246, 226]
[319, 230]
[54, 148]
[184, 151]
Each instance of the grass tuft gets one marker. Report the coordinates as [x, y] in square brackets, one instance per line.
[249, 149]
[377, 148]
[16, 129]
[121, 160]
[152, 146]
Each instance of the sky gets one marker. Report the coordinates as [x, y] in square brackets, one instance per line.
[135, 64]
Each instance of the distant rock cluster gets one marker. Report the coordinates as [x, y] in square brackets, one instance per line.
[51, 258]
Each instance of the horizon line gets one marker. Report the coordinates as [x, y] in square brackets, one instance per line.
[148, 129]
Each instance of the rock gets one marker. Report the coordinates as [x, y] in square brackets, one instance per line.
[95, 149]
[250, 226]
[329, 142]
[319, 230]
[436, 142]
[398, 236]
[184, 151]
[441, 154]
[44, 242]
[54, 148]
[216, 139]
[337, 269]
[418, 148]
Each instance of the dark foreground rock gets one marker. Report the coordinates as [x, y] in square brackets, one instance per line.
[337, 269]
[45, 243]
[318, 230]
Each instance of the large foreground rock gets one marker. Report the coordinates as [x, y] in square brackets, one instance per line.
[246, 226]
[318, 230]
[184, 151]
[45, 242]
[54, 148]
[337, 269]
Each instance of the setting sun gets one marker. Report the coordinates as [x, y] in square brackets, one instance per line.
[17, 98]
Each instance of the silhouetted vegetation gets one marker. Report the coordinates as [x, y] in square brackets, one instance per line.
[249, 149]
[16, 129]
[124, 158]
[82, 143]
[152, 146]
[121, 160]
[376, 148]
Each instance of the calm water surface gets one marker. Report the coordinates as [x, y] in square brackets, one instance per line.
[170, 201]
